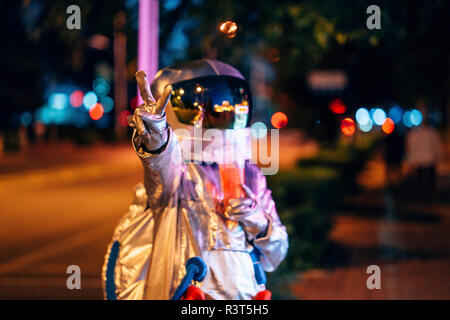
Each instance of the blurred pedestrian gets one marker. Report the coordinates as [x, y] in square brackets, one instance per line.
[424, 150]
[394, 151]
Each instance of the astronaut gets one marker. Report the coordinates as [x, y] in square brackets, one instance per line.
[182, 209]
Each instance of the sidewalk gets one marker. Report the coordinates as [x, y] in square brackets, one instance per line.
[62, 154]
[407, 240]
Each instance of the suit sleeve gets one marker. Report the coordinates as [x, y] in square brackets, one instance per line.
[162, 168]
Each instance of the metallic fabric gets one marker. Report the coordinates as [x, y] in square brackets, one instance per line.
[179, 212]
[186, 71]
[174, 217]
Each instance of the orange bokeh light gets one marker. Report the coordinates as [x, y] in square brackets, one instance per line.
[96, 112]
[388, 126]
[279, 120]
[348, 127]
[229, 28]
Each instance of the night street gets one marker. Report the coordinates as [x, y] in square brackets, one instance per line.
[63, 215]
[65, 210]
[225, 150]
[77, 205]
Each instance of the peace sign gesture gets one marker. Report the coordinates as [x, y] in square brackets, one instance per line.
[149, 119]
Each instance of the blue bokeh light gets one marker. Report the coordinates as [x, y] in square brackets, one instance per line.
[415, 117]
[42, 114]
[362, 116]
[379, 116]
[107, 103]
[89, 100]
[407, 119]
[26, 119]
[365, 127]
[258, 130]
[101, 87]
[58, 101]
[395, 113]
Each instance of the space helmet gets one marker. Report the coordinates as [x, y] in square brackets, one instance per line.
[210, 110]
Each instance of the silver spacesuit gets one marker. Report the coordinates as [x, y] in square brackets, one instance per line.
[178, 212]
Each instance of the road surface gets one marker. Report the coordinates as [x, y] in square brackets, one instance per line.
[61, 215]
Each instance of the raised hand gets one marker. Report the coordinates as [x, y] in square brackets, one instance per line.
[149, 119]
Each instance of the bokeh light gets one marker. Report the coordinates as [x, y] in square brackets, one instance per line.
[229, 28]
[388, 126]
[395, 113]
[337, 106]
[379, 116]
[407, 119]
[41, 115]
[279, 120]
[134, 103]
[89, 100]
[48, 115]
[26, 118]
[123, 118]
[362, 116]
[366, 127]
[415, 117]
[107, 103]
[76, 98]
[348, 126]
[258, 130]
[101, 87]
[96, 112]
[58, 101]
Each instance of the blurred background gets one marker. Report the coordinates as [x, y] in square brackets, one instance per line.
[363, 115]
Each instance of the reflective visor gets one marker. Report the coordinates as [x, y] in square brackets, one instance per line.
[221, 102]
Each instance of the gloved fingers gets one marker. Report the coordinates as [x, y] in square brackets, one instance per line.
[144, 87]
[138, 140]
[137, 119]
[147, 141]
[240, 210]
[248, 192]
[143, 141]
[240, 206]
[145, 111]
[163, 101]
[154, 124]
[240, 202]
[136, 123]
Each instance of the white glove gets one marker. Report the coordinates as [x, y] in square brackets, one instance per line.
[149, 119]
[252, 214]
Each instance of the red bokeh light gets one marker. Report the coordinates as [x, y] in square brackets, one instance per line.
[388, 126]
[337, 106]
[348, 126]
[96, 112]
[76, 98]
[123, 118]
[134, 103]
[279, 120]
